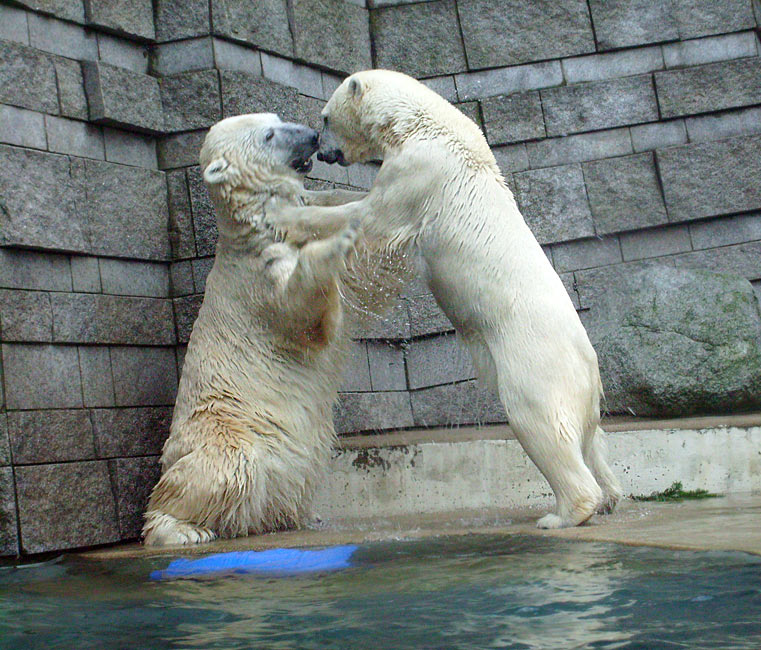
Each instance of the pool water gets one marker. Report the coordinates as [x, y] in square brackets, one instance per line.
[451, 592]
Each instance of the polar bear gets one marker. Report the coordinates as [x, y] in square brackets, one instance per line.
[252, 426]
[440, 190]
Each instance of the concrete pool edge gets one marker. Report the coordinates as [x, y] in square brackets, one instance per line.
[474, 480]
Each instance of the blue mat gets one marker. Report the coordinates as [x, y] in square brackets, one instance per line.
[278, 561]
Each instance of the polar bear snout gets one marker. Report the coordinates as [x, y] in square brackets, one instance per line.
[303, 142]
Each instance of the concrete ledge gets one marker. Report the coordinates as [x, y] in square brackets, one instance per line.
[431, 471]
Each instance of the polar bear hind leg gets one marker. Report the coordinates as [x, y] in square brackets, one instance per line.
[595, 453]
[554, 445]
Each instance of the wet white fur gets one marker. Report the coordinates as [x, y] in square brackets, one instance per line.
[252, 425]
[440, 190]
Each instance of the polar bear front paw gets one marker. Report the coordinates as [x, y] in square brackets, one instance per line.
[165, 530]
[347, 238]
[552, 520]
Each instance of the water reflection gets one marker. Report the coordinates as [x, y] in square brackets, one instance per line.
[467, 592]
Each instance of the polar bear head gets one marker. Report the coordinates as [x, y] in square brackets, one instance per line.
[375, 111]
[256, 151]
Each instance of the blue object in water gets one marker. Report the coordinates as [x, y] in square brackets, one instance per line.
[278, 561]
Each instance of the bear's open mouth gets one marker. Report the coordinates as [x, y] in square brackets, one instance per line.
[302, 165]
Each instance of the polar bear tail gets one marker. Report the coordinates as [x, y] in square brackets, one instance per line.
[595, 453]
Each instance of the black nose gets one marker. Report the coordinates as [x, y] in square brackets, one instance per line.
[316, 138]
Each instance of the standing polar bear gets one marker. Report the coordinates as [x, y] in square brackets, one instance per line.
[252, 426]
[440, 189]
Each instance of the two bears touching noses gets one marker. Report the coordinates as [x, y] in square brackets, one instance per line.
[296, 270]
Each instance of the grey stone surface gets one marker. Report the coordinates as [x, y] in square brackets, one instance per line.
[711, 178]
[185, 314]
[94, 318]
[646, 137]
[21, 127]
[421, 40]
[25, 316]
[29, 270]
[74, 137]
[85, 274]
[179, 150]
[578, 148]
[726, 231]
[387, 370]
[512, 158]
[554, 204]
[504, 81]
[65, 506]
[182, 56]
[130, 17]
[181, 19]
[97, 379]
[444, 86]
[623, 23]
[599, 105]
[5, 447]
[288, 73]
[131, 431]
[14, 25]
[372, 411]
[231, 56]
[263, 23]
[709, 50]
[51, 35]
[204, 219]
[676, 342]
[190, 100]
[437, 360]
[611, 65]
[331, 33]
[144, 376]
[27, 78]
[569, 283]
[712, 87]
[704, 17]
[201, 269]
[394, 324]
[123, 53]
[129, 278]
[71, 88]
[133, 479]
[41, 376]
[545, 29]
[245, 93]
[593, 283]
[513, 118]
[127, 211]
[181, 278]
[43, 201]
[655, 243]
[50, 436]
[8, 520]
[624, 193]
[356, 377]
[741, 259]
[467, 402]
[586, 253]
[67, 9]
[181, 236]
[426, 316]
[719, 126]
[119, 97]
[130, 148]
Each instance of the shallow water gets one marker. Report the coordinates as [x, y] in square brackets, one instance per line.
[453, 592]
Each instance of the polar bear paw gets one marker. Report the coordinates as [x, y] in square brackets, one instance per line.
[347, 238]
[551, 520]
[165, 530]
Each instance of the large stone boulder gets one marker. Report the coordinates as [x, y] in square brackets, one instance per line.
[677, 341]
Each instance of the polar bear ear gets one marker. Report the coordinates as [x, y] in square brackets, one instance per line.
[217, 171]
[355, 87]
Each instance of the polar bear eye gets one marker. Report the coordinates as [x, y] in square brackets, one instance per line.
[269, 135]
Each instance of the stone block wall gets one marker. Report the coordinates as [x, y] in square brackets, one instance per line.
[629, 137]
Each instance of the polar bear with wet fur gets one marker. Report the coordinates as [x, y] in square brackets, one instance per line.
[252, 426]
[440, 190]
